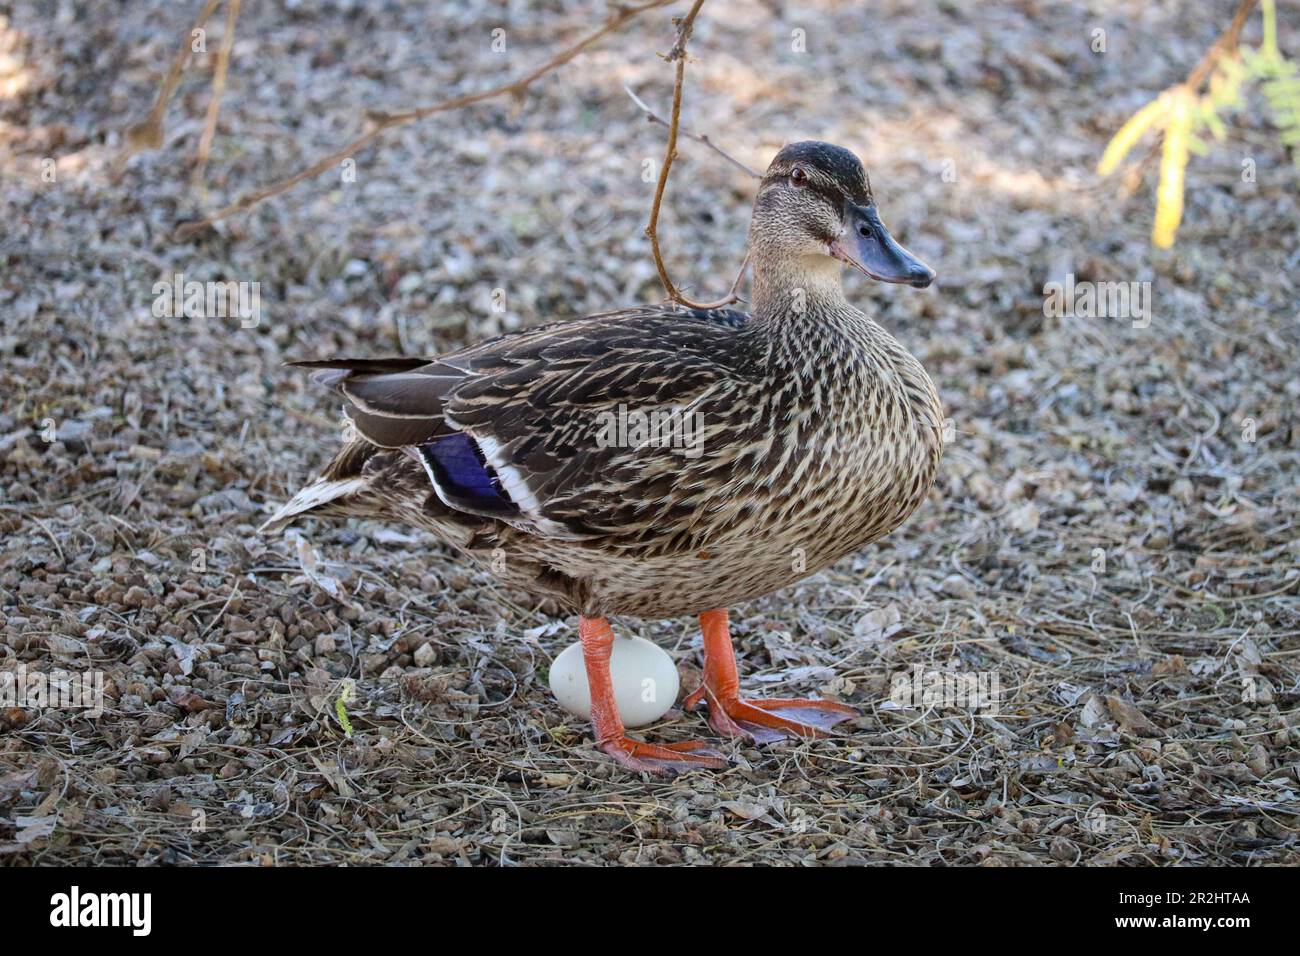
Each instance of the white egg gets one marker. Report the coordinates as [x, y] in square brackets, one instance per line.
[644, 678]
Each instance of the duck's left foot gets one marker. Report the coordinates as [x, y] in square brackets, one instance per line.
[761, 721]
[765, 721]
[664, 758]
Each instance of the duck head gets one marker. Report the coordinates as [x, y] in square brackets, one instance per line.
[815, 203]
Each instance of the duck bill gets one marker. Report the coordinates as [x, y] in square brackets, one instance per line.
[867, 246]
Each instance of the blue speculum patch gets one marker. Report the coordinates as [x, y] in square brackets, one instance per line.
[464, 476]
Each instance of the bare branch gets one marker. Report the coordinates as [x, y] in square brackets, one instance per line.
[653, 117]
[732, 295]
[678, 55]
[386, 121]
[149, 133]
[1226, 43]
[218, 87]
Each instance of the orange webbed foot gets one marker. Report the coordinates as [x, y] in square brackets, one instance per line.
[664, 758]
[765, 721]
[760, 721]
[597, 646]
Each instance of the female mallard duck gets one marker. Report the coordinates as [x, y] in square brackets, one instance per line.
[661, 461]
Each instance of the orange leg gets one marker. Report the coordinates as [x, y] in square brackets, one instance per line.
[611, 737]
[761, 721]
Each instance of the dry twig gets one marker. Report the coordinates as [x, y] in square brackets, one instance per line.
[1226, 43]
[678, 55]
[653, 117]
[386, 121]
[218, 87]
[149, 134]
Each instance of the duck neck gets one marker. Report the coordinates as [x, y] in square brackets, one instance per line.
[790, 289]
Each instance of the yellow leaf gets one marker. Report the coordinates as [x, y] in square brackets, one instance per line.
[341, 709]
[1173, 162]
[1130, 132]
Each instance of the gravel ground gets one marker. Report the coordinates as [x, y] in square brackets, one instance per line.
[1113, 534]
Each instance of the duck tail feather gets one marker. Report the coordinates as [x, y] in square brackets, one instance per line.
[322, 491]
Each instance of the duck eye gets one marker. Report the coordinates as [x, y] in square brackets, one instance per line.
[798, 177]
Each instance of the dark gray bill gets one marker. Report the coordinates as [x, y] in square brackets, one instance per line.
[868, 247]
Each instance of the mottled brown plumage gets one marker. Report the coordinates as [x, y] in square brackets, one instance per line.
[804, 430]
[819, 431]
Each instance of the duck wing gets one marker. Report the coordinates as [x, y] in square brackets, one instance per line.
[526, 427]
